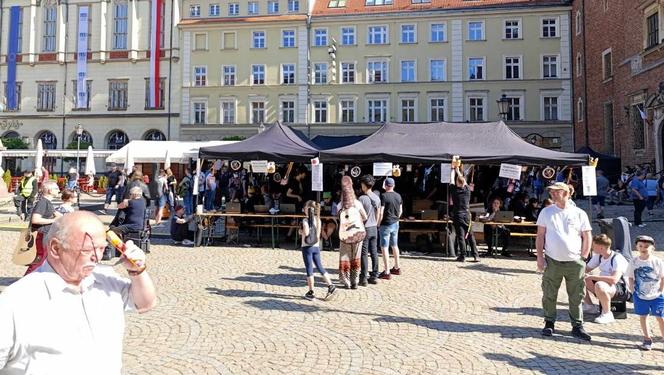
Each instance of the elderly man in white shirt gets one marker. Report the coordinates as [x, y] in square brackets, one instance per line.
[67, 317]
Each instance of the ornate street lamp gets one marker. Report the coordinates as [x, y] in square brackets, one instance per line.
[79, 132]
[503, 107]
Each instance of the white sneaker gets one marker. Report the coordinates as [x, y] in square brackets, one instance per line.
[605, 318]
[590, 309]
[187, 242]
[641, 225]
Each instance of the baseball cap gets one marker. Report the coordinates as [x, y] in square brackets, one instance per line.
[558, 186]
[389, 181]
[644, 238]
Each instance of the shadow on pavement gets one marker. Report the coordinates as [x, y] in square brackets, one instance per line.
[499, 270]
[538, 363]
[239, 293]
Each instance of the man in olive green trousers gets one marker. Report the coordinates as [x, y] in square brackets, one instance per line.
[563, 243]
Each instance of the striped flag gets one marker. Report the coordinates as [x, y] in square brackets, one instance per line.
[155, 51]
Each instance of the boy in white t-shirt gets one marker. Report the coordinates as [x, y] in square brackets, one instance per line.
[608, 283]
[646, 279]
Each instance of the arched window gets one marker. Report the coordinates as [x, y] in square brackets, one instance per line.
[85, 137]
[154, 135]
[11, 134]
[49, 140]
[117, 139]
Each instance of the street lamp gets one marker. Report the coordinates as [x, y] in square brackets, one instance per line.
[503, 107]
[79, 132]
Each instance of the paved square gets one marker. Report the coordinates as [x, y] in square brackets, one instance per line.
[241, 311]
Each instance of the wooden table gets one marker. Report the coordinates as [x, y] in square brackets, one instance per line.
[522, 224]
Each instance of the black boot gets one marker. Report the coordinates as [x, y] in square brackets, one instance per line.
[548, 329]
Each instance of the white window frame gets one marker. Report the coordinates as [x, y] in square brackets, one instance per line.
[341, 109]
[605, 76]
[251, 110]
[555, 27]
[483, 58]
[482, 31]
[50, 28]
[273, 7]
[253, 12]
[255, 36]
[314, 102]
[46, 96]
[354, 70]
[415, 108]
[519, 29]
[223, 75]
[233, 9]
[519, 66]
[444, 30]
[385, 112]
[430, 107]
[414, 33]
[543, 97]
[222, 116]
[252, 80]
[123, 99]
[577, 23]
[477, 95]
[223, 39]
[354, 35]
[542, 63]
[385, 34]
[293, 6]
[401, 66]
[195, 101]
[323, 74]
[520, 95]
[194, 10]
[205, 47]
[120, 34]
[444, 78]
[283, 38]
[290, 99]
[326, 36]
[371, 78]
[282, 72]
[216, 6]
[204, 80]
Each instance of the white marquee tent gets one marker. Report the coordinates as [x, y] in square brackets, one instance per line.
[155, 151]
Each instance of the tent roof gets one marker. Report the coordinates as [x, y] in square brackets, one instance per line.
[155, 151]
[479, 143]
[595, 154]
[277, 142]
[327, 142]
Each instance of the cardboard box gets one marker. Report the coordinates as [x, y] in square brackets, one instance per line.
[421, 204]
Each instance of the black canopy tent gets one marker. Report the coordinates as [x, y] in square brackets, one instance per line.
[478, 143]
[277, 142]
[608, 163]
[327, 142]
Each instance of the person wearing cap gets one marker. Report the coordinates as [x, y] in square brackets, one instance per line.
[639, 195]
[181, 231]
[391, 208]
[646, 281]
[563, 243]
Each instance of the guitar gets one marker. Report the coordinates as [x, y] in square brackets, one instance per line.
[284, 180]
[26, 248]
[351, 226]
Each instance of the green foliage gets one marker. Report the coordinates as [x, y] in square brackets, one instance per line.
[233, 138]
[84, 145]
[15, 144]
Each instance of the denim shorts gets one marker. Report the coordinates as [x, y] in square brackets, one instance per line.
[162, 200]
[389, 234]
[654, 307]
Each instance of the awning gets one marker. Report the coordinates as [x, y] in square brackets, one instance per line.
[155, 151]
[54, 153]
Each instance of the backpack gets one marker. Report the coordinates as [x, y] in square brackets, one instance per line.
[351, 226]
[622, 294]
[312, 238]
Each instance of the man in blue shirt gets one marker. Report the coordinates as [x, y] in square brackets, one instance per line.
[639, 195]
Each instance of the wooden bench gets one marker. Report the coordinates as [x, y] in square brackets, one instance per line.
[531, 239]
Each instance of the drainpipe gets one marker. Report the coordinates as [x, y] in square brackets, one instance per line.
[170, 75]
[307, 110]
[585, 78]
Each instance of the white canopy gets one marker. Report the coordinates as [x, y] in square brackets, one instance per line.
[155, 151]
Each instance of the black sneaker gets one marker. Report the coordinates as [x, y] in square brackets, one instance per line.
[506, 254]
[309, 295]
[353, 286]
[363, 282]
[461, 259]
[331, 292]
[580, 333]
[372, 280]
[548, 329]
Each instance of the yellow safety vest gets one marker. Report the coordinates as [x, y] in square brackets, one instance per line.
[26, 186]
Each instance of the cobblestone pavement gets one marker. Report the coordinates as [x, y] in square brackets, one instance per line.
[240, 311]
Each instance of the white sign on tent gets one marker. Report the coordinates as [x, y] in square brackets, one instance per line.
[445, 173]
[259, 166]
[510, 171]
[589, 181]
[316, 175]
[382, 169]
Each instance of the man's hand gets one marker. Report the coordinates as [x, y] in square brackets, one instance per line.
[541, 264]
[133, 258]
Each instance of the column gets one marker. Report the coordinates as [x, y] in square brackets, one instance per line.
[32, 44]
[103, 24]
[456, 99]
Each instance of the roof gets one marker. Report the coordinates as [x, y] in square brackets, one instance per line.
[253, 19]
[478, 143]
[155, 151]
[354, 7]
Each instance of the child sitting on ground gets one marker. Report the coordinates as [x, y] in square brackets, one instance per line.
[68, 200]
[646, 280]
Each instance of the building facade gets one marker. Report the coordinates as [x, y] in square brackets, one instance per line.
[345, 67]
[618, 50]
[88, 62]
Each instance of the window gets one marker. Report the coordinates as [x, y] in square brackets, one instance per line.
[228, 41]
[257, 112]
[194, 10]
[378, 2]
[288, 111]
[347, 72]
[252, 8]
[272, 7]
[408, 34]
[514, 109]
[377, 110]
[336, 4]
[116, 140]
[293, 6]
[550, 108]
[17, 97]
[320, 37]
[652, 30]
[476, 109]
[50, 28]
[549, 28]
[579, 110]
[228, 112]
[377, 35]
[162, 85]
[200, 112]
[579, 64]
[320, 111]
[258, 74]
[19, 25]
[476, 68]
[288, 38]
[376, 71]
[49, 140]
[437, 69]
[348, 36]
[229, 75]
[408, 71]
[258, 39]
[607, 64]
[512, 29]
[46, 96]
[408, 110]
[476, 30]
[120, 12]
[233, 9]
[609, 144]
[550, 66]
[347, 111]
[637, 126]
[320, 73]
[200, 76]
[578, 22]
[200, 42]
[86, 99]
[154, 135]
[117, 95]
[215, 10]
[288, 74]
[437, 109]
[437, 32]
[512, 68]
